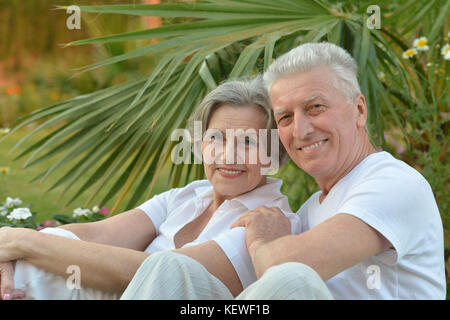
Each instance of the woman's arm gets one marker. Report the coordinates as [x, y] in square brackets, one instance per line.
[132, 229]
[101, 266]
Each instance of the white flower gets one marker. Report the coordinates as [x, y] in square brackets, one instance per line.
[95, 209]
[79, 212]
[3, 211]
[4, 130]
[10, 202]
[445, 51]
[19, 213]
[421, 44]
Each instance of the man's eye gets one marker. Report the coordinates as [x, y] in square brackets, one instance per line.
[283, 118]
[316, 109]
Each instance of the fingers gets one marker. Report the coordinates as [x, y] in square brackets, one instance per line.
[244, 219]
[241, 222]
[247, 217]
[7, 291]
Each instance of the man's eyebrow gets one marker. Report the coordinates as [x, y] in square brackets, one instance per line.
[312, 98]
[304, 101]
[280, 111]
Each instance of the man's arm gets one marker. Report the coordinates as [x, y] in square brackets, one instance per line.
[329, 248]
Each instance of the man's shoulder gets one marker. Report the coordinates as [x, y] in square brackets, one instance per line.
[313, 199]
[382, 166]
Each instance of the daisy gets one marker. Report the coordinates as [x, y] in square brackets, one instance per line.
[421, 44]
[445, 51]
[409, 53]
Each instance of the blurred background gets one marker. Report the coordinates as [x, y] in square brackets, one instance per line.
[36, 71]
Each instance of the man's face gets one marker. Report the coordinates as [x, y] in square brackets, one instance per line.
[319, 129]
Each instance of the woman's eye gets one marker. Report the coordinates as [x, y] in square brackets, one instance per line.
[250, 142]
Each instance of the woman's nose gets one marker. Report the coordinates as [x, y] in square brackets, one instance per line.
[229, 152]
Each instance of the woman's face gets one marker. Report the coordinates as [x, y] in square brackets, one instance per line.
[230, 133]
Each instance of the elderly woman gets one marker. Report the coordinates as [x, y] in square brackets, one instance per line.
[193, 221]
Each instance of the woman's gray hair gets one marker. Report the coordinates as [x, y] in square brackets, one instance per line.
[311, 55]
[245, 92]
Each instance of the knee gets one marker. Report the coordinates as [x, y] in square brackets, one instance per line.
[292, 273]
[162, 260]
[288, 281]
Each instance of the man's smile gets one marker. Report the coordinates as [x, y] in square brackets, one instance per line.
[312, 146]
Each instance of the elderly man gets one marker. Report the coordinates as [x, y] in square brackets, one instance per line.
[373, 231]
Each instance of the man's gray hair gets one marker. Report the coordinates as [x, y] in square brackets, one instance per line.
[308, 56]
[245, 92]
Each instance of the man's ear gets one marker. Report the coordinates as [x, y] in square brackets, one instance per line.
[361, 106]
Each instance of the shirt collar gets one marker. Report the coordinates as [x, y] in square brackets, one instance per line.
[268, 192]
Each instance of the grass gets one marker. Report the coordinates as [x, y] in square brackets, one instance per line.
[16, 182]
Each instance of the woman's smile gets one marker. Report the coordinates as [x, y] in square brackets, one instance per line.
[230, 173]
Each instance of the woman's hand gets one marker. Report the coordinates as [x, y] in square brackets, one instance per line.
[10, 240]
[7, 291]
[9, 252]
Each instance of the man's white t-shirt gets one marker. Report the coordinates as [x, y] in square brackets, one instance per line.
[172, 210]
[398, 202]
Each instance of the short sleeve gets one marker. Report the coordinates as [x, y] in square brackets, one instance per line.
[394, 204]
[233, 244]
[156, 208]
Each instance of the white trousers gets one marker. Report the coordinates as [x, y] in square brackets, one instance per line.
[39, 284]
[171, 276]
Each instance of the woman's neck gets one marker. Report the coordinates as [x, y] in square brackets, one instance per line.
[219, 198]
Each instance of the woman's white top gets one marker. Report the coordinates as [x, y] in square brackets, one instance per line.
[172, 210]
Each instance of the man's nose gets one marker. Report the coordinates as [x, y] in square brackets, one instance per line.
[302, 126]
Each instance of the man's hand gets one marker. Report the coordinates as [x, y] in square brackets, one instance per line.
[262, 225]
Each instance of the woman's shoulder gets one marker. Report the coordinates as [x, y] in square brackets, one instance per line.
[190, 190]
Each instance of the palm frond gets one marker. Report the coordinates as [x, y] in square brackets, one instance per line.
[123, 132]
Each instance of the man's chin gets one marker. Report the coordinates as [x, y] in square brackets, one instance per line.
[312, 167]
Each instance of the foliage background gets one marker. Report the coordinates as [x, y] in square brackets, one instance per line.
[173, 67]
